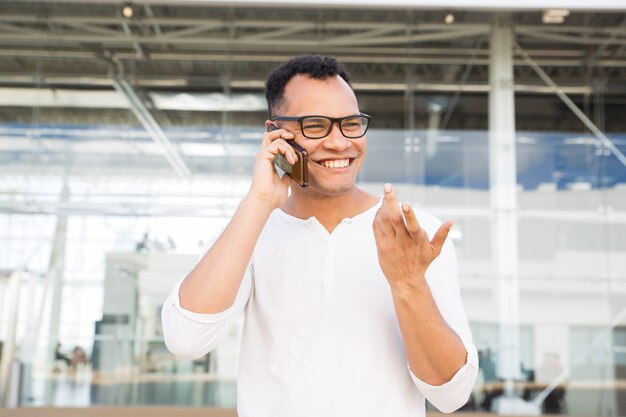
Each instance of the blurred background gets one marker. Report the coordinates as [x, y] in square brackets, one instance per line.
[127, 137]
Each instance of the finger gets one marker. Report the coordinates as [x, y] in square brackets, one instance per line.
[281, 134]
[270, 137]
[440, 237]
[385, 220]
[270, 154]
[281, 146]
[412, 225]
[393, 210]
[377, 225]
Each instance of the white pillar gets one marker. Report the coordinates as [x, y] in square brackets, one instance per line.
[12, 299]
[50, 311]
[503, 192]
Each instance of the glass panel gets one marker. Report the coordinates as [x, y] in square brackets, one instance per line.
[570, 256]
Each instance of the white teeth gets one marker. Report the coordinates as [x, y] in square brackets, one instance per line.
[336, 163]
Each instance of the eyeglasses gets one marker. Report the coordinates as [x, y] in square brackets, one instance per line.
[318, 127]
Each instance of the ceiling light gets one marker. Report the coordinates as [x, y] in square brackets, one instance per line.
[127, 11]
[449, 18]
[555, 16]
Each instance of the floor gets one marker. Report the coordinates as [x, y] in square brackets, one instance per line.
[155, 412]
[147, 390]
[118, 412]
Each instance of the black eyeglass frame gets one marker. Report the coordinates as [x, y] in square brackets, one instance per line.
[333, 120]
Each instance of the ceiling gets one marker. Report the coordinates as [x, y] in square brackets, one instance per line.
[177, 65]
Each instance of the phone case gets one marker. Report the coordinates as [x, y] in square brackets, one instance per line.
[298, 171]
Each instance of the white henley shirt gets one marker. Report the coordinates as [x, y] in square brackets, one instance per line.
[320, 335]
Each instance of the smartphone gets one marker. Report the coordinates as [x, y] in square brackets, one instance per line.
[299, 171]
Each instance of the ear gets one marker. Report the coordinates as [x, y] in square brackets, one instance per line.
[269, 123]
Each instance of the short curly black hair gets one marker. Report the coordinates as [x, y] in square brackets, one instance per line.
[315, 66]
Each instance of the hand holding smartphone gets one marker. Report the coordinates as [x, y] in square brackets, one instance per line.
[298, 171]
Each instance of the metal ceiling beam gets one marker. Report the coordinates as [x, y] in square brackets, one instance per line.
[12, 28]
[572, 106]
[259, 85]
[389, 59]
[155, 26]
[150, 124]
[568, 34]
[239, 23]
[417, 38]
[141, 54]
[27, 29]
[122, 39]
[402, 51]
[267, 42]
[368, 34]
[579, 40]
[193, 30]
[462, 81]
[305, 20]
[527, 5]
[576, 30]
[273, 34]
[279, 57]
[201, 24]
[100, 30]
[591, 59]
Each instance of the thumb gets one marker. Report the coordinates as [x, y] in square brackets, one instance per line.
[440, 237]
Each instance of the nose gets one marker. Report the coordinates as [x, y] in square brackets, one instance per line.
[335, 139]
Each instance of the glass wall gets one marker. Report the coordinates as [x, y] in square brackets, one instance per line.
[117, 265]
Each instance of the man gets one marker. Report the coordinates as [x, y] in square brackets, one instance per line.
[347, 311]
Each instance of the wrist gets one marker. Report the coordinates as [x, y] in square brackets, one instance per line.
[259, 202]
[409, 287]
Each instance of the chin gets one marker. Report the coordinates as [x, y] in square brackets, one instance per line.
[332, 190]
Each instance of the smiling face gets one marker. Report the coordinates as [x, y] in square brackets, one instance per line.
[334, 161]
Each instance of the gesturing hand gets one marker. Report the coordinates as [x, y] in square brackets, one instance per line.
[404, 250]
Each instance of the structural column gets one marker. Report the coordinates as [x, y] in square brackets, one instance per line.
[503, 197]
[7, 374]
[54, 288]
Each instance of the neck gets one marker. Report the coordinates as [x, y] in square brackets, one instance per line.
[329, 210]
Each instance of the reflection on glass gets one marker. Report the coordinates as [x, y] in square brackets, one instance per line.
[130, 238]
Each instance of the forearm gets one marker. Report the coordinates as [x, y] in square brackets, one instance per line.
[434, 351]
[212, 285]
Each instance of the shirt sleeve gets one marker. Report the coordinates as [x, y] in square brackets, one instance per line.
[442, 278]
[192, 335]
